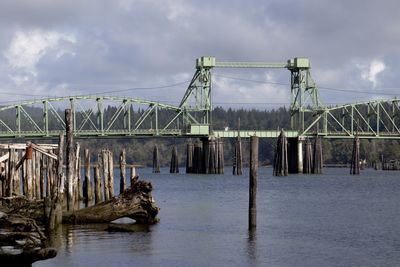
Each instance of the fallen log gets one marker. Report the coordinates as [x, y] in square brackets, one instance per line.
[21, 241]
[135, 202]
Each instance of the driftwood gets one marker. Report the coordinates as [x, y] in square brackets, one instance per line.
[22, 242]
[136, 203]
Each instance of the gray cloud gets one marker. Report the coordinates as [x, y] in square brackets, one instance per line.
[138, 43]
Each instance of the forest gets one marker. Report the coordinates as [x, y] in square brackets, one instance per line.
[139, 150]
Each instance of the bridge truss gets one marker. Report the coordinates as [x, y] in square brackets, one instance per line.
[109, 116]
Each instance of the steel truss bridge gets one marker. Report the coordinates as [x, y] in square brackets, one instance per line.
[107, 116]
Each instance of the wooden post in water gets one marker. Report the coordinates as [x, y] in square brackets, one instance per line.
[104, 157]
[38, 157]
[29, 174]
[86, 187]
[57, 189]
[42, 176]
[97, 185]
[281, 157]
[189, 157]
[77, 175]
[122, 166]
[237, 157]
[174, 166]
[308, 158]
[17, 176]
[9, 176]
[197, 158]
[156, 160]
[355, 157]
[134, 176]
[70, 163]
[110, 174]
[317, 159]
[253, 182]
[220, 156]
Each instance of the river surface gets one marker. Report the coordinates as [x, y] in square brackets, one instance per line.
[333, 219]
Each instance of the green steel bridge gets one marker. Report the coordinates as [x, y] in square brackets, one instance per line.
[107, 116]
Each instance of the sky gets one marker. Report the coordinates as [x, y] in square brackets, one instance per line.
[147, 48]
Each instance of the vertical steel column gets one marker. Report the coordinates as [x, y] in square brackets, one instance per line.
[46, 118]
[18, 120]
[100, 113]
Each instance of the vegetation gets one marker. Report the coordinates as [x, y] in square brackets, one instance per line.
[139, 150]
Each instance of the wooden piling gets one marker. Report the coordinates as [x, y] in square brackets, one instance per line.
[42, 175]
[122, 166]
[237, 157]
[220, 156]
[317, 159]
[198, 158]
[70, 163]
[104, 157]
[308, 158]
[355, 157]
[29, 174]
[189, 157]
[253, 182]
[281, 157]
[17, 176]
[97, 185]
[86, 187]
[110, 174]
[38, 157]
[57, 190]
[174, 166]
[9, 175]
[134, 177]
[156, 160]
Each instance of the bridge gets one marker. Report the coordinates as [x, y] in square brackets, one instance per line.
[108, 116]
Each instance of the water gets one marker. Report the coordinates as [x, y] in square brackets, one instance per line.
[332, 219]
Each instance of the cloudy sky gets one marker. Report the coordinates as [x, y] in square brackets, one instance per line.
[119, 47]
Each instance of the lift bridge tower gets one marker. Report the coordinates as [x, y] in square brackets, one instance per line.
[197, 101]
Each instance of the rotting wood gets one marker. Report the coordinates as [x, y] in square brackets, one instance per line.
[122, 166]
[136, 203]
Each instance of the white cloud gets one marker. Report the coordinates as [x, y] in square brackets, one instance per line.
[27, 49]
[371, 72]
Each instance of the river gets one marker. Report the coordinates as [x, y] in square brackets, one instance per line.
[333, 219]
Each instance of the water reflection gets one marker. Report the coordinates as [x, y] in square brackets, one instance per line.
[252, 247]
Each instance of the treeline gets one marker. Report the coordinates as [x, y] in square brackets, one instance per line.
[139, 150]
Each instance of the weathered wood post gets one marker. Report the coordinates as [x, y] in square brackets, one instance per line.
[111, 174]
[97, 185]
[57, 190]
[38, 157]
[11, 172]
[104, 157]
[42, 177]
[17, 176]
[198, 158]
[69, 127]
[174, 166]
[355, 157]
[189, 157]
[122, 166]
[318, 161]
[220, 156]
[237, 157]
[134, 177]
[308, 158]
[86, 188]
[29, 174]
[77, 175]
[281, 157]
[253, 182]
[156, 160]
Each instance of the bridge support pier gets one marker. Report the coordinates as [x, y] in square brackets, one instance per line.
[295, 155]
